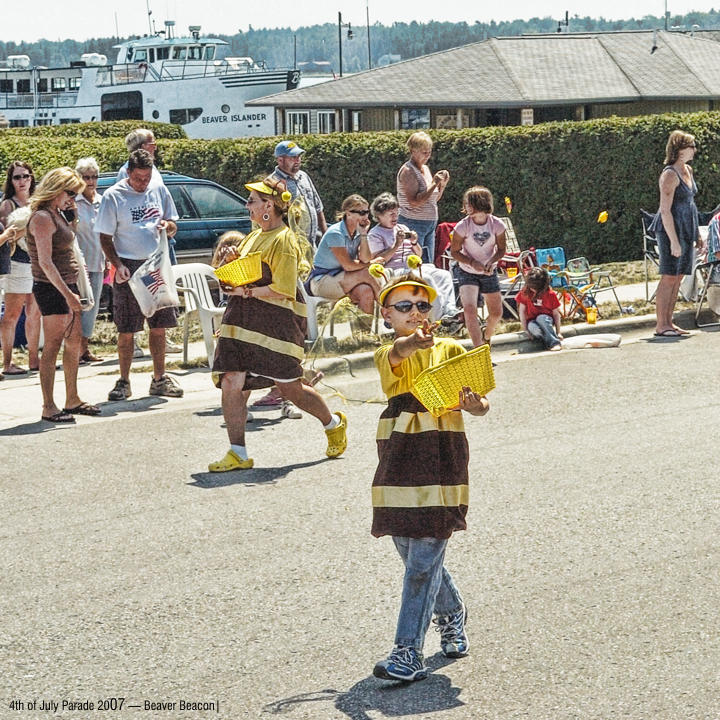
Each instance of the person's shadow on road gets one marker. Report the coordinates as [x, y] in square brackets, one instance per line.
[250, 477]
[392, 699]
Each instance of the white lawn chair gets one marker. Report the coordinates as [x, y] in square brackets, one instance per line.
[193, 281]
[312, 303]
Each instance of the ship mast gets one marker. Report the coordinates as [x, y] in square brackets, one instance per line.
[149, 14]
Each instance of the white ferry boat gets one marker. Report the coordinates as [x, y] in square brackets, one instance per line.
[190, 81]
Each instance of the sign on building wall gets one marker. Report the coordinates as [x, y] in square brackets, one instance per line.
[526, 116]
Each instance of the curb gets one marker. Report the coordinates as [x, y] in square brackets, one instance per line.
[360, 361]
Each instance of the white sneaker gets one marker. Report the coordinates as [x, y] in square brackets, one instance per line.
[288, 410]
[138, 352]
[171, 347]
[250, 417]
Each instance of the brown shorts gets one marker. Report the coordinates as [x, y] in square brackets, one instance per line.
[126, 312]
[50, 300]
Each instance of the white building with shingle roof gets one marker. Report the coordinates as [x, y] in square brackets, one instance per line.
[512, 81]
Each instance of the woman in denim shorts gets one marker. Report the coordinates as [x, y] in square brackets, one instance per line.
[478, 242]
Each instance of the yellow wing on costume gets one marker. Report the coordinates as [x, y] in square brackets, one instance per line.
[300, 223]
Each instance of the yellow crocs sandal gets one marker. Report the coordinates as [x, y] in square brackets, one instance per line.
[231, 461]
[337, 437]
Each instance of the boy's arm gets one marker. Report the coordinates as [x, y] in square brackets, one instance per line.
[405, 346]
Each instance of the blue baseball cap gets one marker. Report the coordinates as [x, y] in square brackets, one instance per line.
[288, 147]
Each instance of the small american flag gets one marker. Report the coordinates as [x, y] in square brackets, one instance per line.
[153, 281]
[144, 212]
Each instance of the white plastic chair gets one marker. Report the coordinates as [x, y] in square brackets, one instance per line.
[193, 281]
[312, 303]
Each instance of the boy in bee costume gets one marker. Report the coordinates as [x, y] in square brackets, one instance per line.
[420, 490]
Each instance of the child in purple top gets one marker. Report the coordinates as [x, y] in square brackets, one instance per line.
[390, 244]
[478, 242]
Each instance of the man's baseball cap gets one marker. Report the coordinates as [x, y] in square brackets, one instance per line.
[288, 147]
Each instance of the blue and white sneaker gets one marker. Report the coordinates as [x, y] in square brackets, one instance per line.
[453, 640]
[403, 663]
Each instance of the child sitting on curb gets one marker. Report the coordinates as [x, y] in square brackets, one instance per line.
[539, 309]
[420, 490]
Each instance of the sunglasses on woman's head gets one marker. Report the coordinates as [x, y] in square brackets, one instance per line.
[24, 176]
[405, 306]
[360, 212]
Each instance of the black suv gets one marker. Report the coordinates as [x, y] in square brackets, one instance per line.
[206, 210]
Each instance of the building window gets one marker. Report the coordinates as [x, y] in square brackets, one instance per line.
[58, 84]
[23, 86]
[74, 83]
[42, 85]
[415, 119]
[69, 121]
[43, 121]
[19, 123]
[326, 122]
[183, 116]
[356, 121]
[297, 123]
[6, 86]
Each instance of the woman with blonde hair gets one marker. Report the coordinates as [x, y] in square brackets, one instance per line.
[338, 271]
[676, 228]
[262, 335]
[50, 239]
[419, 191]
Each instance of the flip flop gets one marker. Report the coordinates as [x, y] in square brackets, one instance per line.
[59, 417]
[668, 333]
[15, 370]
[83, 409]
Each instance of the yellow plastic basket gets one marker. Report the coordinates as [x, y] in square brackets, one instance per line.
[438, 387]
[242, 271]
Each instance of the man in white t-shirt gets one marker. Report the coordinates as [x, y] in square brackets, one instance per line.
[131, 214]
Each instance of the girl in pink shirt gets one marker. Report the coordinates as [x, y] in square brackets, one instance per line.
[478, 242]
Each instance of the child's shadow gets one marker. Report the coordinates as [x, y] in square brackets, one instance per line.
[392, 699]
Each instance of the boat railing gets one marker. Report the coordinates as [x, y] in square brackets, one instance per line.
[125, 73]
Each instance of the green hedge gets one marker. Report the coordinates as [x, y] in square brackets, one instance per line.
[115, 128]
[560, 176]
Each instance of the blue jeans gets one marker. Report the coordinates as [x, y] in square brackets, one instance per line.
[88, 317]
[425, 230]
[543, 328]
[427, 587]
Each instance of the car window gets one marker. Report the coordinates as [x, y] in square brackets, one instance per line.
[183, 205]
[212, 202]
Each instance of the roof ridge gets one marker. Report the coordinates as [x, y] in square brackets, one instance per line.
[682, 59]
[508, 71]
[619, 66]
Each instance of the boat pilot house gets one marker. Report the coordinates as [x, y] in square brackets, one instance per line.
[515, 81]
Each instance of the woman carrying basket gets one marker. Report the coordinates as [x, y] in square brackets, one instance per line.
[262, 335]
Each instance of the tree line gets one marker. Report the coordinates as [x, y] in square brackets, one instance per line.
[282, 47]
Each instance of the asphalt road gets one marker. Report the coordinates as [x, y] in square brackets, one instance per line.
[590, 566]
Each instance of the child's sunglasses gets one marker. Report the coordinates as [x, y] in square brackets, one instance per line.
[405, 306]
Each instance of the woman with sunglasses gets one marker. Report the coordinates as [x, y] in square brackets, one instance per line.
[676, 228]
[88, 204]
[19, 186]
[55, 275]
[338, 271]
[262, 335]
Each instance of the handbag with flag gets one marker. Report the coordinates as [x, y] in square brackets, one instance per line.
[153, 284]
